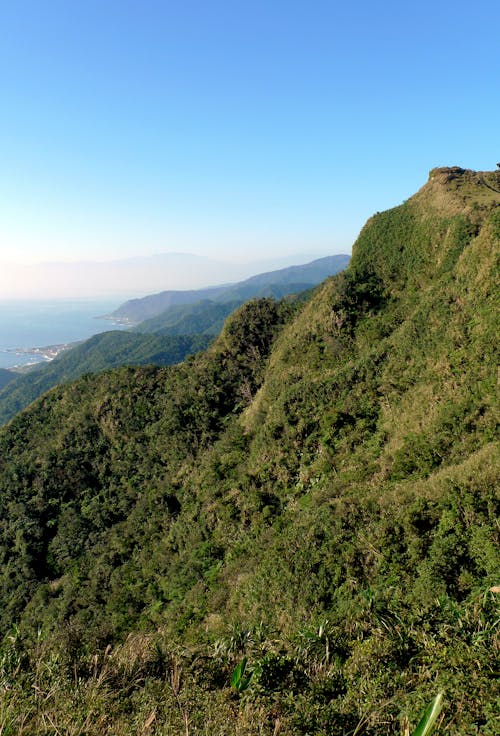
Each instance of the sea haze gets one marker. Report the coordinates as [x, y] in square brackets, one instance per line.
[27, 324]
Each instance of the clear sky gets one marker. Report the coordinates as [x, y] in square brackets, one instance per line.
[232, 128]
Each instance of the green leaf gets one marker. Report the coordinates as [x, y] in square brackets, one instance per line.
[238, 673]
[239, 680]
[426, 723]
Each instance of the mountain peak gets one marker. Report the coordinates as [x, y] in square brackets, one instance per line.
[447, 173]
[405, 245]
[464, 188]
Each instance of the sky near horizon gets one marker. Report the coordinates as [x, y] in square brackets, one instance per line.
[232, 129]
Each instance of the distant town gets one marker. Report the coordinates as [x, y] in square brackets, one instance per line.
[45, 353]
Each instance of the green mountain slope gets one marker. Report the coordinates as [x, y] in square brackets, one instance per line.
[100, 352]
[208, 317]
[200, 317]
[6, 377]
[184, 318]
[317, 493]
[140, 309]
[166, 340]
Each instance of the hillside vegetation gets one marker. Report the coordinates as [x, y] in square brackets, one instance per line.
[106, 350]
[6, 377]
[184, 328]
[207, 317]
[313, 502]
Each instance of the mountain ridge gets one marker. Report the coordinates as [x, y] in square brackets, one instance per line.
[308, 274]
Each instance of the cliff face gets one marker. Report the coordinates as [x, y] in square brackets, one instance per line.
[318, 492]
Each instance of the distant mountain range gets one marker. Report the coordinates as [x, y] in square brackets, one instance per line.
[294, 278]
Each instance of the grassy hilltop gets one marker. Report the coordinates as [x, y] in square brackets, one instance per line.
[316, 493]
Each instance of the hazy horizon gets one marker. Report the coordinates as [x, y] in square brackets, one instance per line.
[130, 277]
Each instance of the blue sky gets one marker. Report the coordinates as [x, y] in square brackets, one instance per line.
[232, 129]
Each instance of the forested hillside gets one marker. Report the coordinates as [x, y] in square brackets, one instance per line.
[207, 317]
[106, 350]
[187, 326]
[6, 377]
[312, 502]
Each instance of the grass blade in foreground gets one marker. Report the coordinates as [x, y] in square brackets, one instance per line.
[239, 680]
[426, 723]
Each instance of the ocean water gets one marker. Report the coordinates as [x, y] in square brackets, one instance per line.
[32, 324]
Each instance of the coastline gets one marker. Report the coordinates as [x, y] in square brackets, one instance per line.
[40, 354]
[34, 333]
[119, 321]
